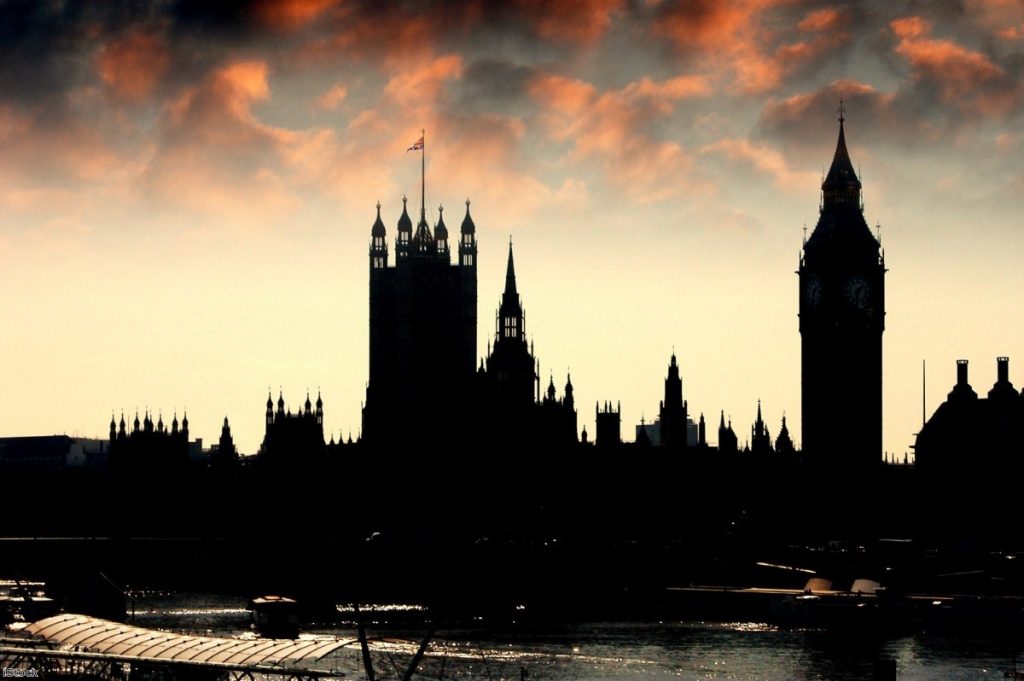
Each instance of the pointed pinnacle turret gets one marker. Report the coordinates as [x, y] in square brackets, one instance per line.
[405, 222]
[468, 226]
[510, 275]
[378, 225]
[440, 230]
[510, 312]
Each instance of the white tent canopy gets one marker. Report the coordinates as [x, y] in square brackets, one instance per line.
[93, 635]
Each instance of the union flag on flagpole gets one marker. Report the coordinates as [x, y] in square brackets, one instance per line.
[417, 146]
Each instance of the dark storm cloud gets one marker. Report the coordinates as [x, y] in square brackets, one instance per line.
[491, 84]
[49, 47]
[921, 74]
[42, 45]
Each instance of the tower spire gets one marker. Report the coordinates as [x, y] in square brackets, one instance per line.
[510, 275]
[510, 314]
[841, 187]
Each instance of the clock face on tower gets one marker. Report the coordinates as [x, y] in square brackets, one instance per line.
[858, 292]
[812, 292]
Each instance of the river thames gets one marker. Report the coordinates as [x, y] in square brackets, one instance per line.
[614, 651]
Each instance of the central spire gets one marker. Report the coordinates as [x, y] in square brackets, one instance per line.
[510, 314]
[510, 277]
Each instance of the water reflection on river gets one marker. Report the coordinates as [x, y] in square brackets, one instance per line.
[616, 650]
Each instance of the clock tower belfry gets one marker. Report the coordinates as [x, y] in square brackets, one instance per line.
[842, 317]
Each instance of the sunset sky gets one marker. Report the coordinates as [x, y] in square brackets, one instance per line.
[187, 190]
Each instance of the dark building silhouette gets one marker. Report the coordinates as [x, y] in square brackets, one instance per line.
[651, 432]
[842, 316]
[672, 410]
[510, 376]
[51, 453]
[760, 438]
[784, 443]
[292, 441]
[643, 438]
[225, 456]
[970, 437]
[727, 440]
[609, 425]
[150, 449]
[969, 458]
[510, 409]
[558, 418]
[422, 330]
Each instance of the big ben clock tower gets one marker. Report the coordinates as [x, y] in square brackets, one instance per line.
[842, 316]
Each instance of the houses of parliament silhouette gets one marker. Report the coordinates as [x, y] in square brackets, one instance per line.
[423, 339]
[437, 415]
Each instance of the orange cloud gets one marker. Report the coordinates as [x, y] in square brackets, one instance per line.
[219, 111]
[215, 156]
[909, 28]
[661, 94]
[821, 20]
[133, 65]
[291, 13]
[394, 32]
[735, 37]
[960, 75]
[480, 157]
[332, 99]
[1012, 32]
[387, 36]
[611, 127]
[1004, 18]
[801, 106]
[583, 21]
[423, 83]
[1007, 142]
[56, 152]
[707, 23]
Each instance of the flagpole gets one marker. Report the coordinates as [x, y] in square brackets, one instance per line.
[423, 177]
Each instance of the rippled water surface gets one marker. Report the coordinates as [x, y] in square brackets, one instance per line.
[622, 650]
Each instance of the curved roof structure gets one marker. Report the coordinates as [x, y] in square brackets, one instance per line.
[110, 638]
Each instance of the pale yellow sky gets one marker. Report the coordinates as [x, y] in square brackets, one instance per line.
[185, 202]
